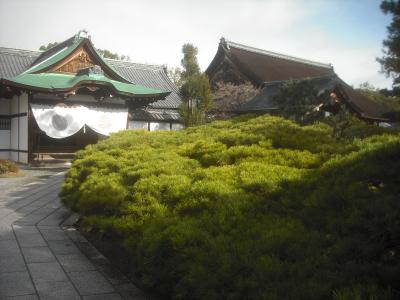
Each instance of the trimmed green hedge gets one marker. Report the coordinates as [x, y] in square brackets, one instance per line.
[248, 208]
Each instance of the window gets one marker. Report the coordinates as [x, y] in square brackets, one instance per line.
[138, 125]
[177, 126]
[159, 126]
[5, 123]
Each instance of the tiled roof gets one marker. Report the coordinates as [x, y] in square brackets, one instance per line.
[230, 44]
[153, 76]
[155, 115]
[261, 66]
[268, 69]
[264, 100]
[363, 105]
[16, 61]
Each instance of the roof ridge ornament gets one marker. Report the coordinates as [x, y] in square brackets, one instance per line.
[83, 33]
[223, 42]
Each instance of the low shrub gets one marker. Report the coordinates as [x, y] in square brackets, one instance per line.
[248, 208]
[7, 166]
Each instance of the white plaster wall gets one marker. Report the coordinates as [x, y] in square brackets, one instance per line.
[177, 126]
[159, 126]
[4, 139]
[23, 133]
[23, 157]
[14, 156]
[4, 155]
[4, 106]
[14, 133]
[138, 125]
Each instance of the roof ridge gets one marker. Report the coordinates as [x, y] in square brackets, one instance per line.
[275, 54]
[332, 76]
[125, 62]
[13, 50]
[54, 49]
[38, 52]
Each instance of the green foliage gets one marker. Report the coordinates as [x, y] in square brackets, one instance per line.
[48, 46]
[296, 100]
[390, 62]
[7, 166]
[196, 93]
[341, 122]
[195, 89]
[248, 208]
[108, 54]
[175, 75]
[189, 61]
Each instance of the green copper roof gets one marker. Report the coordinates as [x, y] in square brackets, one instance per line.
[63, 53]
[59, 82]
[39, 77]
[68, 49]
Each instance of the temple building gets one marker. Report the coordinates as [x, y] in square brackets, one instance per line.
[236, 63]
[58, 101]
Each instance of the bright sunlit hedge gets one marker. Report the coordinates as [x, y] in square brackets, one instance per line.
[249, 208]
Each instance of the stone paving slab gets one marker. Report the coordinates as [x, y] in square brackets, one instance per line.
[42, 256]
[57, 290]
[24, 297]
[112, 296]
[15, 284]
[38, 254]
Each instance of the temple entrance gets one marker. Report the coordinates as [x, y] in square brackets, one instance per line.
[79, 140]
[57, 131]
[44, 149]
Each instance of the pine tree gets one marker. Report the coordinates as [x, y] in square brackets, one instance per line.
[195, 90]
[390, 62]
[189, 61]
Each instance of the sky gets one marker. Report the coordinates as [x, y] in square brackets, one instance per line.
[346, 33]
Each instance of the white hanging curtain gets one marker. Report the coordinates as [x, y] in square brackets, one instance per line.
[106, 120]
[60, 122]
[57, 121]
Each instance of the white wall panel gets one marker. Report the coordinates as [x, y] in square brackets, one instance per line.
[4, 155]
[14, 156]
[23, 133]
[159, 126]
[138, 125]
[5, 139]
[177, 126]
[23, 157]
[14, 133]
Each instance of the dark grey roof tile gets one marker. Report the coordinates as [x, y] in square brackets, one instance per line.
[156, 115]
